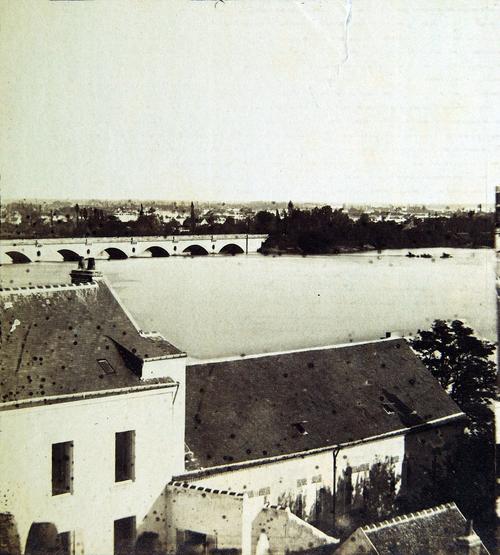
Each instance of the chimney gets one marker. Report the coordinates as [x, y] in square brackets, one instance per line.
[470, 544]
[85, 275]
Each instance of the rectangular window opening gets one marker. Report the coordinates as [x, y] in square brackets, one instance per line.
[65, 543]
[124, 456]
[299, 426]
[106, 366]
[389, 408]
[62, 468]
[124, 536]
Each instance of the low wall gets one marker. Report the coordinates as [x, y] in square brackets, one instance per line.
[214, 513]
[305, 484]
[278, 531]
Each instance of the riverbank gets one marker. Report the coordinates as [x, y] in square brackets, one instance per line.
[297, 251]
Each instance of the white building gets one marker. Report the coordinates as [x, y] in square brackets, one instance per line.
[127, 216]
[114, 443]
[92, 413]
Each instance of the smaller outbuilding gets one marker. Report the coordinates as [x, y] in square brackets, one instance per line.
[441, 530]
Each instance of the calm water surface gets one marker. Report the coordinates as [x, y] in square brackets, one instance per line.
[217, 306]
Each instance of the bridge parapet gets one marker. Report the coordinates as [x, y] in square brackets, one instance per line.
[142, 239]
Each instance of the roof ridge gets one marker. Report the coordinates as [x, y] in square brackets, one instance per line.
[233, 358]
[49, 288]
[399, 519]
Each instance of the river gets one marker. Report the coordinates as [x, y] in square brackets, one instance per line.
[218, 306]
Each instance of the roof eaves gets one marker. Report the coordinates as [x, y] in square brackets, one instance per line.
[257, 462]
[148, 385]
[375, 550]
[180, 354]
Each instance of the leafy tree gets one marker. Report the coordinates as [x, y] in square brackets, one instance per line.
[463, 366]
[264, 222]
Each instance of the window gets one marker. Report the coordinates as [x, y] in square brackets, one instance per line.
[124, 536]
[124, 456]
[106, 366]
[62, 468]
[388, 407]
[299, 426]
[65, 543]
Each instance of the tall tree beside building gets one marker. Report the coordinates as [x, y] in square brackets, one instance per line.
[463, 365]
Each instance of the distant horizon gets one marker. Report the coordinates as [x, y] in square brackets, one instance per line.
[32, 200]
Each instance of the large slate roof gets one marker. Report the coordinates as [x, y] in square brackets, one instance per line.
[431, 531]
[254, 408]
[53, 337]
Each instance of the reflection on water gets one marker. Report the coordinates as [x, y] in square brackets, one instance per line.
[216, 306]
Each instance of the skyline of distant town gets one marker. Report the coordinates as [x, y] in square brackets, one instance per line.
[257, 204]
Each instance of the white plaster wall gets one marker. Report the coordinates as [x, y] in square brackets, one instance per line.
[27, 435]
[382, 450]
[214, 514]
[306, 475]
[280, 477]
[171, 367]
[285, 532]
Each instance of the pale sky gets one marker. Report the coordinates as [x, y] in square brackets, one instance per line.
[251, 100]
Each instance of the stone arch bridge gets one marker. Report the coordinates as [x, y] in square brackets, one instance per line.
[71, 249]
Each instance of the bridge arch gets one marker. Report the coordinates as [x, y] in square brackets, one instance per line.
[114, 253]
[231, 248]
[69, 255]
[195, 250]
[156, 252]
[18, 257]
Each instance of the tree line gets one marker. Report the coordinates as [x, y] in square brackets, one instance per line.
[322, 230]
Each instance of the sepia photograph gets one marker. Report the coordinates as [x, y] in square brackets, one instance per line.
[249, 286]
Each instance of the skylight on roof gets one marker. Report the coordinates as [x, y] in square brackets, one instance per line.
[299, 426]
[106, 366]
[388, 407]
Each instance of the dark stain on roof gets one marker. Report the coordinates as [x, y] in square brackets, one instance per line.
[53, 338]
[248, 409]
